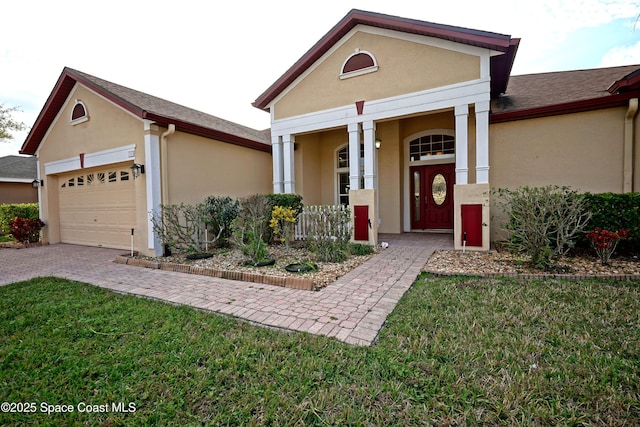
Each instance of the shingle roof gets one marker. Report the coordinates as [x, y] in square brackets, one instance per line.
[144, 106]
[18, 167]
[545, 90]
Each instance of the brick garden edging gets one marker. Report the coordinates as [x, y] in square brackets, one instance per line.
[286, 282]
[615, 277]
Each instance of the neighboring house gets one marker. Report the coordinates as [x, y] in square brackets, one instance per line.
[91, 133]
[17, 174]
[413, 123]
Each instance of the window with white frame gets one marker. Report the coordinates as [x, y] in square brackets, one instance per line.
[342, 173]
[432, 144]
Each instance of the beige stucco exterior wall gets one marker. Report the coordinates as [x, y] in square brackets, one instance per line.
[108, 127]
[404, 67]
[582, 150]
[199, 167]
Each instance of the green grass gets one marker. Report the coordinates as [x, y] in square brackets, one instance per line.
[455, 351]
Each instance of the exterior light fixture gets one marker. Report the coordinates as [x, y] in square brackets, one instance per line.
[137, 169]
[37, 183]
[378, 143]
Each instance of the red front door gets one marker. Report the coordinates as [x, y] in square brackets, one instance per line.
[432, 197]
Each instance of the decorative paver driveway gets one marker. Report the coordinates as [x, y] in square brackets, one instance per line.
[352, 309]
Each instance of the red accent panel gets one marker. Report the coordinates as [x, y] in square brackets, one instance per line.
[472, 224]
[358, 62]
[81, 160]
[361, 222]
[360, 107]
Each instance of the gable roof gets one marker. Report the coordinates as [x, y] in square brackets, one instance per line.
[500, 65]
[18, 168]
[544, 94]
[144, 106]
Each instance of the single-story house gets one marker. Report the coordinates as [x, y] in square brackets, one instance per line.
[17, 174]
[408, 122]
[109, 156]
[413, 123]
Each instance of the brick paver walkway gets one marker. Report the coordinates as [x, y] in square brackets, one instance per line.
[352, 309]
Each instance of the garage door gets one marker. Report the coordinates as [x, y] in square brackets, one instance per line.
[97, 207]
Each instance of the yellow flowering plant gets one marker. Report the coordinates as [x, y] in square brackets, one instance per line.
[282, 222]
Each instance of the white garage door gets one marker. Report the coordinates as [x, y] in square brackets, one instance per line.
[97, 208]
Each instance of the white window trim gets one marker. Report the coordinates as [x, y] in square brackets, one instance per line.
[434, 159]
[337, 170]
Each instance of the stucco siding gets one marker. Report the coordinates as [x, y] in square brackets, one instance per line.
[404, 67]
[584, 151]
[200, 167]
[17, 192]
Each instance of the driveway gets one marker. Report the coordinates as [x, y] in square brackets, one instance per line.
[352, 309]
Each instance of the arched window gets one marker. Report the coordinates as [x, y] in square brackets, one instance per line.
[79, 113]
[342, 173]
[358, 63]
[434, 143]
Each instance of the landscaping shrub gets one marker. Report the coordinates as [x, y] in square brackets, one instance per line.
[604, 242]
[543, 222]
[251, 226]
[180, 226]
[329, 232]
[26, 230]
[360, 249]
[287, 200]
[218, 213]
[17, 210]
[615, 212]
[282, 223]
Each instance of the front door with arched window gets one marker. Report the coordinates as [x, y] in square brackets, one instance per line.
[431, 179]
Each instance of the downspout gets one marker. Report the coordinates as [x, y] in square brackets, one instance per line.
[627, 168]
[163, 162]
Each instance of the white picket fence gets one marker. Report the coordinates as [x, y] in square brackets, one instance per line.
[318, 216]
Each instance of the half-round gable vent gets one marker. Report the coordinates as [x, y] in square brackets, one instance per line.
[358, 63]
[79, 113]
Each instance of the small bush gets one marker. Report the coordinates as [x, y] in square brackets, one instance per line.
[615, 212]
[283, 220]
[329, 232]
[286, 200]
[26, 230]
[543, 222]
[17, 210]
[251, 226]
[218, 213]
[360, 249]
[180, 227]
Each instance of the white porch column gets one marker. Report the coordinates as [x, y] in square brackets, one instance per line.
[354, 156]
[369, 130]
[278, 165]
[289, 169]
[462, 143]
[482, 142]
[153, 183]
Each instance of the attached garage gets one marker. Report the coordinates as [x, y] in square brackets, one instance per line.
[97, 206]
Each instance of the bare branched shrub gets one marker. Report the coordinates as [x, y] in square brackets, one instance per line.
[180, 227]
[543, 222]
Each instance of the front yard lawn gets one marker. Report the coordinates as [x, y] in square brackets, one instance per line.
[456, 350]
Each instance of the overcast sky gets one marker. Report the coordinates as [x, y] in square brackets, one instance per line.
[218, 57]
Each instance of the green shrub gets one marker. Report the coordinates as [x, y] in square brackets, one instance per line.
[286, 200]
[251, 226]
[329, 232]
[360, 249]
[18, 210]
[615, 212]
[218, 213]
[543, 222]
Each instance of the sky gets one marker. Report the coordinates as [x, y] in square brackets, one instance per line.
[218, 57]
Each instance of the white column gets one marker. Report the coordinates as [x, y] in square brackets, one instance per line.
[289, 170]
[154, 190]
[369, 130]
[482, 142]
[462, 143]
[354, 156]
[278, 168]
